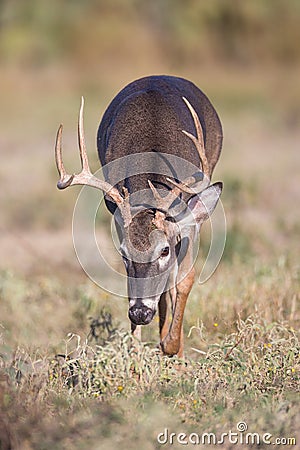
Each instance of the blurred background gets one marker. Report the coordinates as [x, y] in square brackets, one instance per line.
[245, 55]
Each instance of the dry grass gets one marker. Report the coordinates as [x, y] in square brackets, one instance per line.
[122, 391]
[242, 363]
[70, 374]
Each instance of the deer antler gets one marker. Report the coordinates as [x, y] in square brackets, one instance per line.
[164, 203]
[199, 140]
[85, 177]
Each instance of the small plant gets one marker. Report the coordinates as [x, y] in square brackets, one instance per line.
[101, 328]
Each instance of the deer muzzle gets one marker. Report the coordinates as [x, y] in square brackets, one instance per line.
[140, 314]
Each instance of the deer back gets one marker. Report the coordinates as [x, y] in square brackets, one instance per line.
[148, 115]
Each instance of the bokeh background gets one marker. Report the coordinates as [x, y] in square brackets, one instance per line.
[245, 55]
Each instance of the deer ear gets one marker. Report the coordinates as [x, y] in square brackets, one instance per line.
[203, 205]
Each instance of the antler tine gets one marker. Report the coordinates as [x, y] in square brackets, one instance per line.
[81, 140]
[156, 195]
[125, 208]
[65, 179]
[85, 177]
[164, 203]
[198, 141]
[184, 186]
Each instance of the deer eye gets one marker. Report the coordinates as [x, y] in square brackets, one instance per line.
[165, 251]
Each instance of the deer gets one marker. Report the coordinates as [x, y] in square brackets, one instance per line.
[163, 117]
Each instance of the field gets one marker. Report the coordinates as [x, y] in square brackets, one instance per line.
[71, 375]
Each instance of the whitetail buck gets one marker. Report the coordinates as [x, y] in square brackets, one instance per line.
[166, 116]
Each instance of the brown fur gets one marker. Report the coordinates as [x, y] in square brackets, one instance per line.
[148, 116]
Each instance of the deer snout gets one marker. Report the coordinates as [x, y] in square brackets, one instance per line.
[141, 314]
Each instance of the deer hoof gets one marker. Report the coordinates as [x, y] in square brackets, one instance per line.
[170, 347]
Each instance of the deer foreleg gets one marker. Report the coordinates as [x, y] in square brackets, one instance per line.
[172, 343]
[136, 331]
[163, 310]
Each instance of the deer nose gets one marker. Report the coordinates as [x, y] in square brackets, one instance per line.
[141, 314]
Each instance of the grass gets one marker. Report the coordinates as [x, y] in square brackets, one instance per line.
[251, 375]
[99, 387]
